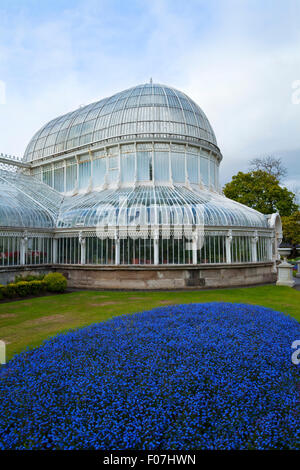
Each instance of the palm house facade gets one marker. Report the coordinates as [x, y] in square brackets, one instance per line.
[124, 193]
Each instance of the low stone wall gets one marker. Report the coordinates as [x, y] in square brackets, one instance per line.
[167, 277]
[152, 277]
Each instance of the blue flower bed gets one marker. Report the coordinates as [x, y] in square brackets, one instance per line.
[205, 376]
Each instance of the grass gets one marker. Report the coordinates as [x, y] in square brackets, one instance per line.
[27, 323]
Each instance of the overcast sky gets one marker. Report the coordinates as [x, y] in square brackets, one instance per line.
[239, 60]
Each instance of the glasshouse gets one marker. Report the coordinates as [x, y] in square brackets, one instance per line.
[125, 193]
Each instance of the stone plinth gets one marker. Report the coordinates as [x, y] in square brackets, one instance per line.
[285, 275]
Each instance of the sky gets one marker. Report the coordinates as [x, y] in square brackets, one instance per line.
[238, 59]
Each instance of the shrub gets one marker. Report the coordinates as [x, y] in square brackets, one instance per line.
[22, 288]
[9, 290]
[30, 288]
[55, 282]
[37, 287]
[197, 376]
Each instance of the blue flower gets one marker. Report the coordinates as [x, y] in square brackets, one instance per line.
[197, 376]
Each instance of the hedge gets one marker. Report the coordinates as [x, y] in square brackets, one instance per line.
[54, 282]
[23, 289]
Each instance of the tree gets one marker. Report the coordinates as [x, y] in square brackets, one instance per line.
[291, 228]
[271, 165]
[261, 191]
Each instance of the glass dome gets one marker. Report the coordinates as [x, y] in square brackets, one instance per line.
[144, 111]
[131, 179]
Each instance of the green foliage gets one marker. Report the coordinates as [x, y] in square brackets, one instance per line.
[291, 228]
[262, 192]
[30, 288]
[33, 285]
[55, 282]
[9, 290]
[37, 287]
[23, 289]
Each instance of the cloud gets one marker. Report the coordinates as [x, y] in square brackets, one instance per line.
[237, 60]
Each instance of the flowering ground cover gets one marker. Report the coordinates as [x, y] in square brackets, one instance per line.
[197, 376]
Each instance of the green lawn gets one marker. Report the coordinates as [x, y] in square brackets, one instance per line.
[27, 323]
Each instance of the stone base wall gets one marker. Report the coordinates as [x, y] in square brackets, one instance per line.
[8, 274]
[167, 277]
[152, 277]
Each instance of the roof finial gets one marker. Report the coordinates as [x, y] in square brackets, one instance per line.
[151, 81]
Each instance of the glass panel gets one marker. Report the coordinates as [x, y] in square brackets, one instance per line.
[241, 249]
[99, 171]
[47, 176]
[192, 168]
[144, 166]
[113, 163]
[212, 173]
[112, 176]
[84, 174]
[9, 251]
[178, 167]
[204, 170]
[38, 251]
[100, 251]
[127, 168]
[74, 131]
[213, 249]
[68, 250]
[71, 176]
[59, 179]
[141, 251]
[161, 166]
[263, 249]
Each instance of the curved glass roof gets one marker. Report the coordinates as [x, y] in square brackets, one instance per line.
[26, 202]
[29, 203]
[148, 110]
[142, 206]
